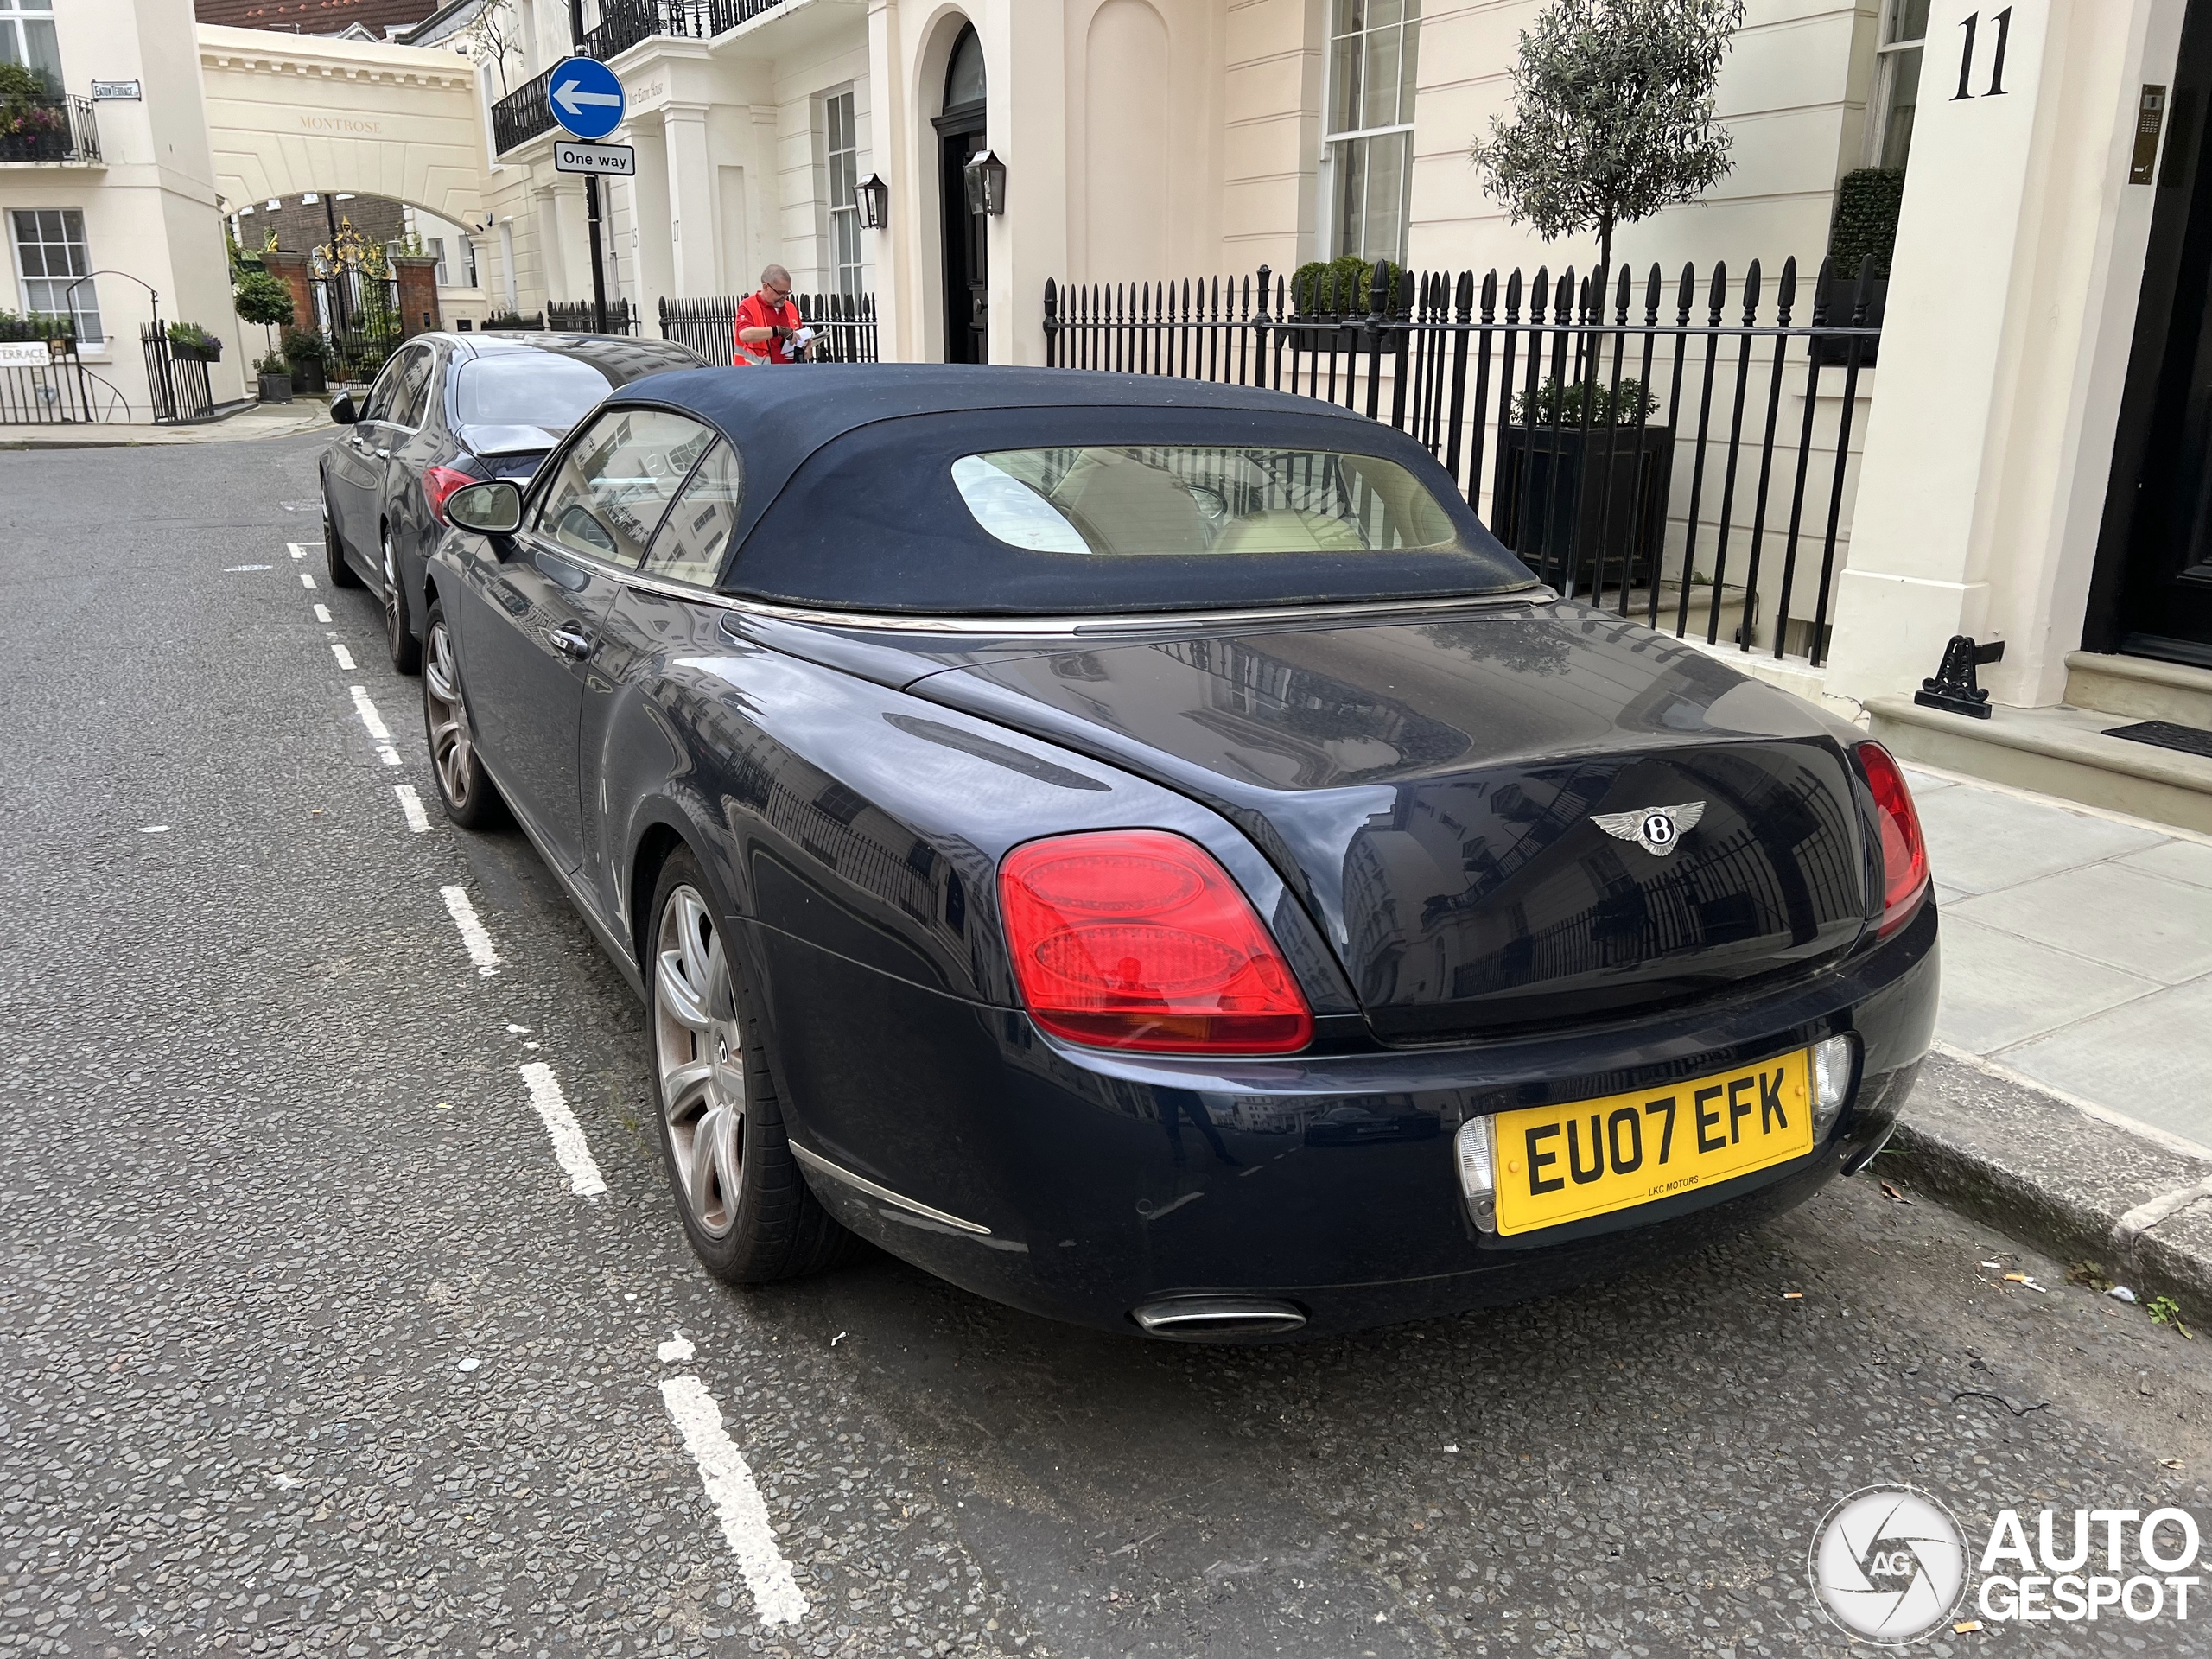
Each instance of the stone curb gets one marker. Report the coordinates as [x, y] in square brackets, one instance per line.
[2047, 1172]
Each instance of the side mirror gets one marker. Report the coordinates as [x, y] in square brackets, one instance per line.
[342, 409]
[492, 509]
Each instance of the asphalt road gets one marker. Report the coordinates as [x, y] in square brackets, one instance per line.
[308, 1345]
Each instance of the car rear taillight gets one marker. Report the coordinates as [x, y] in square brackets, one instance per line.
[438, 483]
[1904, 854]
[1137, 939]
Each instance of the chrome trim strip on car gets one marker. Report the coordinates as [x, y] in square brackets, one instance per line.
[815, 1160]
[1067, 626]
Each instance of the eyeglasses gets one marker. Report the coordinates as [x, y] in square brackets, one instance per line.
[783, 293]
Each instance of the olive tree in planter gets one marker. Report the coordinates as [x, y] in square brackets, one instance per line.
[1612, 120]
[263, 298]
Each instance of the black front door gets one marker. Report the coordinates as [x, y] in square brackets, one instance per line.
[2153, 592]
[966, 272]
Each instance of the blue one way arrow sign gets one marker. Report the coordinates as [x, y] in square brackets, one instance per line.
[586, 97]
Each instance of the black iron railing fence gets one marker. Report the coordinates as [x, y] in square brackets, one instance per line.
[59, 129]
[579, 316]
[844, 325]
[1682, 471]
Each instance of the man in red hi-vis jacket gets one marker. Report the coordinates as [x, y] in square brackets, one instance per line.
[769, 326]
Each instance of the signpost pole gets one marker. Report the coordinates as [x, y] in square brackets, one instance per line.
[598, 275]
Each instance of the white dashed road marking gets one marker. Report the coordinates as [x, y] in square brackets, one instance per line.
[299, 549]
[738, 1505]
[345, 658]
[410, 808]
[322, 613]
[306, 580]
[379, 732]
[472, 936]
[233, 570]
[570, 1150]
[677, 1349]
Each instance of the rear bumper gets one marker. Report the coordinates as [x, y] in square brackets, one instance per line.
[1107, 1182]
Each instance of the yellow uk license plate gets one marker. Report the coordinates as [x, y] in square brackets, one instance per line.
[1557, 1164]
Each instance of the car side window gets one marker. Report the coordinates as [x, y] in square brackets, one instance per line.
[414, 394]
[616, 480]
[695, 534]
[378, 407]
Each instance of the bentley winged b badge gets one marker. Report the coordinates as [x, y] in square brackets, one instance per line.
[1655, 829]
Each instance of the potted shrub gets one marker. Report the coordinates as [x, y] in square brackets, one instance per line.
[309, 356]
[190, 343]
[261, 297]
[275, 376]
[1861, 237]
[34, 122]
[1581, 485]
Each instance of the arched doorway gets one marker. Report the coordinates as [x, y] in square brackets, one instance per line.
[960, 133]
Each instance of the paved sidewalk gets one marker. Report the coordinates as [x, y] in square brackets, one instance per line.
[261, 420]
[2077, 948]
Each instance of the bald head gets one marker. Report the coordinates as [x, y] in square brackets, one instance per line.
[775, 277]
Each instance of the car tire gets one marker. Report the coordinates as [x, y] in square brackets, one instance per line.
[465, 789]
[333, 554]
[399, 641]
[745, 1207]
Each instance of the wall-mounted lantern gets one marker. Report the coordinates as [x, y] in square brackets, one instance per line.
[985, 174]
[872, 196]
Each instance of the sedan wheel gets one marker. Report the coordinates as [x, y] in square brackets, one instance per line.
[398, 635]
[334, 553]
[701, 1052]
[465, 792]
[746, 1209]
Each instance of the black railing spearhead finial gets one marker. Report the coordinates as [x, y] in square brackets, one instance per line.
[1260, 317]
[1956, 688]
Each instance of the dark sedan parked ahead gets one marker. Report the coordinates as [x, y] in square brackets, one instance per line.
[446, 410]
[1143, 852]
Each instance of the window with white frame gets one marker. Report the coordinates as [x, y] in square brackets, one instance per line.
[1373, 50]
[27, 37]
[1896, 81]
[842, 156]
[50, 255]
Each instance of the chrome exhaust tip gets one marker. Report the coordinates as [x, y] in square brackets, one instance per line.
[1218, 1319]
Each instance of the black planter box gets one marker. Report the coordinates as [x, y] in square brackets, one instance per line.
[180, 352]
[1553, 484]
[307, 376]
[1843, 300]
[275, 388]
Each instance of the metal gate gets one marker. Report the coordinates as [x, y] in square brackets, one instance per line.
[176, 385]
[356, 305]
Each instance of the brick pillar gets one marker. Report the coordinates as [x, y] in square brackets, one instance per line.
[418, 292]
[291, 269]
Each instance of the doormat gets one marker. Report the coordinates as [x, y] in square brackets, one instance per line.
[2189, 740]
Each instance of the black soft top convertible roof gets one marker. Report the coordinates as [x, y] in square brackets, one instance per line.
[849, 503]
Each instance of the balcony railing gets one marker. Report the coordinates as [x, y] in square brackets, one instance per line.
[49, 130]
[522, 115]
[525, 113]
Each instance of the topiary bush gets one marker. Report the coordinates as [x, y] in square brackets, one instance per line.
[1865, 222]
[1337, 287]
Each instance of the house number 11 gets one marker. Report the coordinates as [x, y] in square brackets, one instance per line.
[1972, 22]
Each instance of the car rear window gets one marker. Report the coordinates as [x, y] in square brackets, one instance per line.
[1191, 500]
[528, 389]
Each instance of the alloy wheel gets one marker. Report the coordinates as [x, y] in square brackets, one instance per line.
[452, 744]
[699, 1052]
[395, 620]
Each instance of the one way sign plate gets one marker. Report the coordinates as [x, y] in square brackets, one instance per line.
[586, 98]
[608, 160]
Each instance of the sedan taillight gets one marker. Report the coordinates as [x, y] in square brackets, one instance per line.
[1904, 854]
[438, 483]
[1138, 939]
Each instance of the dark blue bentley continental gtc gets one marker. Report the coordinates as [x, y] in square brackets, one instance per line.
[1143, 852]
